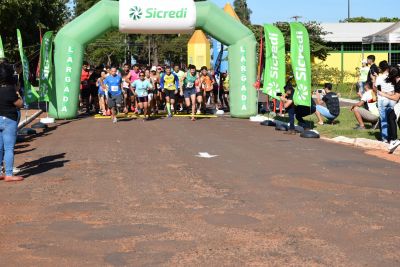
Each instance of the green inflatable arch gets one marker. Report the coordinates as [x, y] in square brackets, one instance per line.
[72, 39]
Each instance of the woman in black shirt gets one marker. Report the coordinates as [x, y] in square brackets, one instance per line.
[10, 100]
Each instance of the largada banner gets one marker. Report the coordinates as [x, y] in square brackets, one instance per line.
[301, 63]
[1, 49]
[46, 67]
[157, 16]
[30, 93]
[275, 62]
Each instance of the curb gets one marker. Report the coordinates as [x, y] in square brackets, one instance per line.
[350, 101]
[28, 120]
[362, 143]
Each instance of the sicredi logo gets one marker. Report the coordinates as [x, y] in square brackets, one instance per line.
[136, 13]
[301, 71]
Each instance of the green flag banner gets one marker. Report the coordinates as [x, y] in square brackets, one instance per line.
[301, 63]
[46, 67]
[275, 68]
[1, 49]
[30, 93]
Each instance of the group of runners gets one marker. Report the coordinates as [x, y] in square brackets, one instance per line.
[147, 91]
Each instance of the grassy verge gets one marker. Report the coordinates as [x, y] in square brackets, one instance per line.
[345, 90]
[345, 125]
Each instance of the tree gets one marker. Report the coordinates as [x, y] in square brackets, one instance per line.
[109, 50]
[243, 11]
[28, 16]
[83, 5]
[319, 48]
[364, 19]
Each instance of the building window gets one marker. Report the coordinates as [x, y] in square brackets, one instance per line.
[335, 46]
[396, 47]
[367, 47]
[395, 59]
[381, 47]
[352, 47]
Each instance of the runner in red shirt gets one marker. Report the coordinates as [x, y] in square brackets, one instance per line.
[85, 87]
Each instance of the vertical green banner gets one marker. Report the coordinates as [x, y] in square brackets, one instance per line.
[46, 66]
[1, 49]
[301, 63]
[275, 66]
[30, 94]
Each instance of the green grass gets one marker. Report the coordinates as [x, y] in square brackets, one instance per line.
[344, 126]
[345, 90]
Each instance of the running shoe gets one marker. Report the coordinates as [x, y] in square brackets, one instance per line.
[198, 112]
[115, 120]
[394, 144]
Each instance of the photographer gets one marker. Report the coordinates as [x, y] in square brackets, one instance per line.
[331, 100]
[287, 100]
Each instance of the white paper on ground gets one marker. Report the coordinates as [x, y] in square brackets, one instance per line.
[206, 155]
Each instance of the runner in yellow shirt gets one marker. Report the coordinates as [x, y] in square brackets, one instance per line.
[169, 83]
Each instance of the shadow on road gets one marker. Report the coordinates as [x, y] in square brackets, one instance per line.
[42, 165]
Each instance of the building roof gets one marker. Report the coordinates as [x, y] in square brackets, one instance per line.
[352, 32]
[389, 35]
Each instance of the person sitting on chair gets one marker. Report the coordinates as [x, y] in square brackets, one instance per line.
[332, 109]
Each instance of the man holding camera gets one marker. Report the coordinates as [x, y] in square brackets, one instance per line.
[331, 100]
[287, 100]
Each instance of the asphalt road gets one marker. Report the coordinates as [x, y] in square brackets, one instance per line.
[134, 194]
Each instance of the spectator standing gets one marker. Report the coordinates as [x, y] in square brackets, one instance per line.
[384, 85]
[373, 69]
[10, 101]
[393, 115]
[364, 70]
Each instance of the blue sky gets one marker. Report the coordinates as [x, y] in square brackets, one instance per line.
[267, 11]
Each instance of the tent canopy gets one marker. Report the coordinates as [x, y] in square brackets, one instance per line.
[389, 35]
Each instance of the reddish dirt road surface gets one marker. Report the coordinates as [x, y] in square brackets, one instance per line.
[134, 194]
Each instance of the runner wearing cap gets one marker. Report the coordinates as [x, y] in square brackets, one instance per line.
[155, 80]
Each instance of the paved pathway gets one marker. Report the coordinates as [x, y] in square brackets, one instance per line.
[134, 194]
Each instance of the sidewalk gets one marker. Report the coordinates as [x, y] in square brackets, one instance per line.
[27, 116]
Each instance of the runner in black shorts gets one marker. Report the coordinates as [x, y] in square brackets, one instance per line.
[169, 83]
[190, 80]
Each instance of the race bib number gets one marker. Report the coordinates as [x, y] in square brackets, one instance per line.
[190, 85]
[170, 85]
[114, 88]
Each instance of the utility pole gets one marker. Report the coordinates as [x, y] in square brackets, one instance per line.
[348, 10]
